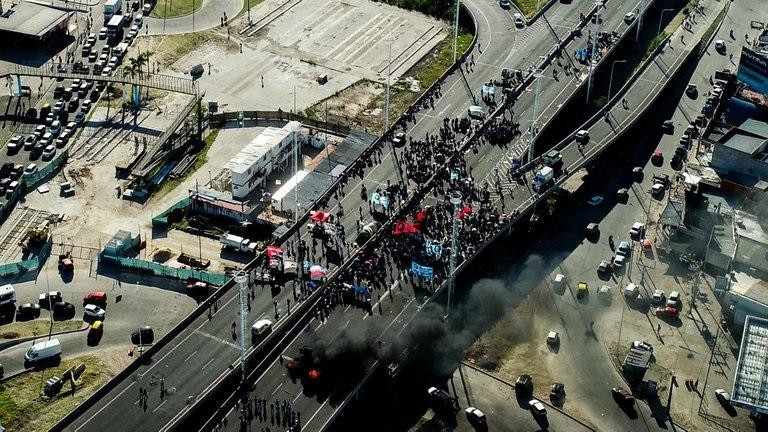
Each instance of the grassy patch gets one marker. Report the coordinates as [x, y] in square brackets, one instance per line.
[36, 327]
[711, 30]
[429, 71]
[311, 113]
[244, 9]
[174, 8]
[23, 407]
[528, 7]
[202, 158]
[655, 42]
[169, 49]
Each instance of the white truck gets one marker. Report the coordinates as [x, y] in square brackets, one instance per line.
[43, 351]
[237, 243]
[543, 179]
[111, 7]
[7, 295]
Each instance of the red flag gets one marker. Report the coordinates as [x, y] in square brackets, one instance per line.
[319, 216]
[463, 212]
[403, 227]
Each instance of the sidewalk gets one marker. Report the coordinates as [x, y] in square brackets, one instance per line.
[207, 17]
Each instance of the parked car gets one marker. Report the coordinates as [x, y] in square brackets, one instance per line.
[63, 309]
[537, 408]
[27, 311]
[475, 416]
[553, 338]
[723, 397]
[622, 396]
[98, 298]
[524, 384]
[582, 289]
[46, 299]
[142, 335]
[94, 312]
[658, 297]
[667, 311]
[642, 345]
[557, 392]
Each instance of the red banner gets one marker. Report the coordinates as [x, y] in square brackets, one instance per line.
[403, 227]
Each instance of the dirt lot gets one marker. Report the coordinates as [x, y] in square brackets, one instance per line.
[24, 407]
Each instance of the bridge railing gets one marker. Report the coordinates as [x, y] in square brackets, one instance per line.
[145, 79]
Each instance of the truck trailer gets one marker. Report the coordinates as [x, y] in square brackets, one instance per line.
[237, 243]
[543, 179]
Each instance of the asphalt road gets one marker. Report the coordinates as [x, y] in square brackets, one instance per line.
[207, 347]
[398, 306]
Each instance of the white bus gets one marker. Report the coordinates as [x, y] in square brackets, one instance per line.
[7, 295]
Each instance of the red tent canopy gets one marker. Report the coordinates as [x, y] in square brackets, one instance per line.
[274, 251]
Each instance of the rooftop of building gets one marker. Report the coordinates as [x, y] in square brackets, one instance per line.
[750, 137]
[31, 19]
[749, 286]
[750, 382]
[259, 147]
[748, 226]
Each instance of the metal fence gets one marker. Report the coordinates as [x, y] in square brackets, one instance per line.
[34, 180]
[157, 269]
[32, 264]
[161, 220]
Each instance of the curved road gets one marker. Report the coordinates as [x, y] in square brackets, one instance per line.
[208, 16]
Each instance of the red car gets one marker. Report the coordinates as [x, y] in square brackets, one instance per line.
[198, 287]
[667, 311]
[657, 156]
[98, 298]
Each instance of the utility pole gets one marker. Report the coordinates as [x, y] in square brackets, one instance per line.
[295, 166]
[610, 81]
[386, 110]
[242, 281]
[593, 55]
[709, 366]
[456, 28]
[537, 76]
[456, 201]
[640, 13]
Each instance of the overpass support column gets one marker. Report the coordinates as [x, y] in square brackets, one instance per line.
[18, 84]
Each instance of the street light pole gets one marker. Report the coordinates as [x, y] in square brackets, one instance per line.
[661, 18]
[595, 31]
[610, 82]
[456, 201]
[537, 76]
[455, 28]
[242, 281]
[640, 13]
[249, 11]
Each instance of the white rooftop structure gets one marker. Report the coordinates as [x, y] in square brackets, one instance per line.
[750, 383]
[259, 147]
[256, 161]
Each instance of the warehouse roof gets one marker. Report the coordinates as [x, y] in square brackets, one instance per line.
[750, 383]
[32, 19]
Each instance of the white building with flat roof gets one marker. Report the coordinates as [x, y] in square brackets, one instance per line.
[251, 167]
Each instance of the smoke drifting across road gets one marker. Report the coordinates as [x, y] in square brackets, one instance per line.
[436, 346]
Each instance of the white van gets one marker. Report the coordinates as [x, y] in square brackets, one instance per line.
[43, 351]
[7, 295]
[261, 327]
